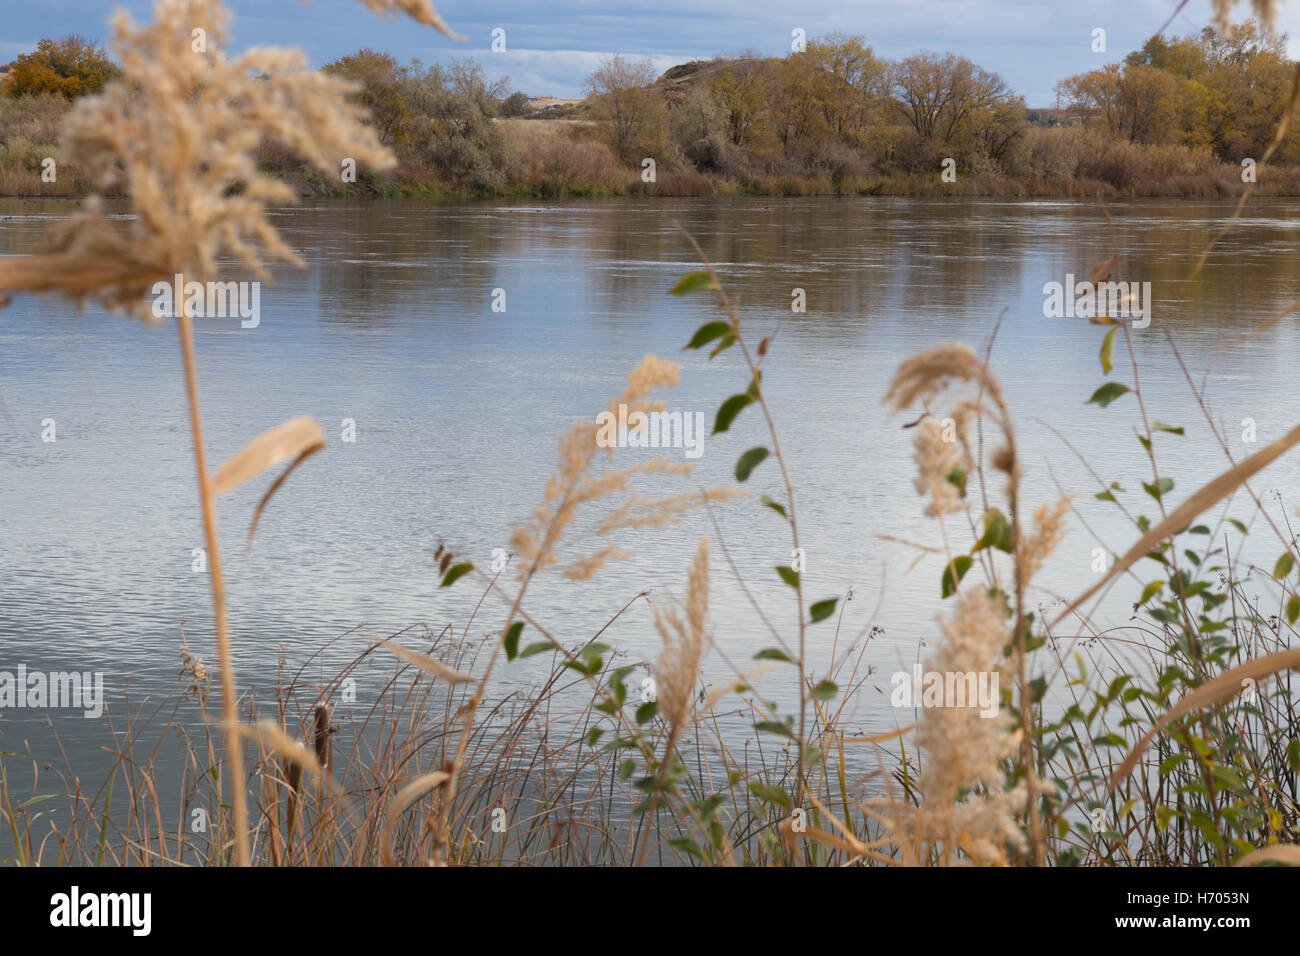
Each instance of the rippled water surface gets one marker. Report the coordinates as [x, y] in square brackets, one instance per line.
[457, 408]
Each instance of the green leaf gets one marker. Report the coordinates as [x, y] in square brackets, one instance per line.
[454, 572]
[692, 282]
[1150, 590]
[957, 478]
[706, 333]
[1107, 351]
[593, 650]
[1107, 394]
[726, 342]
[1162, 427]
[1104, 496]
[512, 640]
[646, 711]
[593, 735]
[1292, 609]
[789, 575]
[997, 532]
[770, 794]
[728, 412]
[749, 461]
[537, 647]
[1283, 566]
[822, 609]
[709, 805]
[775, 506]
[774, 727]
[954, 572]
[824, 691]
[1161, 488]
[773, 654]
[688, 846]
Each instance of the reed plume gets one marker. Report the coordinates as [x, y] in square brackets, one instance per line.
[686, 641]
[540, 543]
[964, 803]
[421, 11]
[578, 483]
[1266, 10]
[922, 379]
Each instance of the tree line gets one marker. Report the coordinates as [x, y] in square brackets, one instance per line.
[834, 111]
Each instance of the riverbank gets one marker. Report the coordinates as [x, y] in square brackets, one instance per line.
[565, 159]
[1281, 183]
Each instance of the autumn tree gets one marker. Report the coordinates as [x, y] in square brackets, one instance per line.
[697, 115]
[799, 121]
[437, 117]
[1095, 97]
[1220, 91]
[950, 102]
[1250, 77]
[741, 93]
[623, 96]
[467, 80]
[379, 77]
[449, 124]
[852, 85]
[71, 67]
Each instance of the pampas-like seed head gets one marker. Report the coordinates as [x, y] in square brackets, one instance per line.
[179, 133]
[685, 643]
[919, 381]
[576, 483]
[965, 750]
[1266, 10]
[936, 459]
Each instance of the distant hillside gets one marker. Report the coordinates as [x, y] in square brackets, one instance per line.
[676, 79]
[674, 82]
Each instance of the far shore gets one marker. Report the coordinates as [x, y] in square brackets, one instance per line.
[1283, 184]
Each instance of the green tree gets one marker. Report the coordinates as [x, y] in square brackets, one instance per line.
[516, 104]
[449, 125]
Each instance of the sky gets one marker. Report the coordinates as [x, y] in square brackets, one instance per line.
[551, 47]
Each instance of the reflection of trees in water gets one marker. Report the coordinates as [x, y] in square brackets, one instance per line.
[857, 259]
[377, 259]
[854, 258]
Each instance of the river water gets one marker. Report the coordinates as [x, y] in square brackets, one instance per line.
[457, 406]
